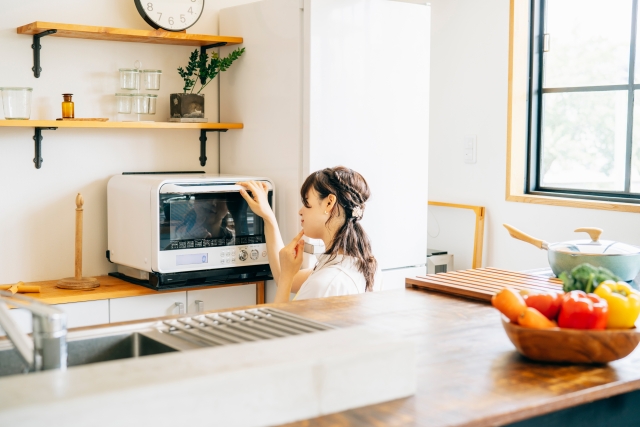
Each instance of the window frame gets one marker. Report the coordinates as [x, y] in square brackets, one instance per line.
[537, 13]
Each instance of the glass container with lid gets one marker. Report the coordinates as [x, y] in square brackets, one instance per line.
[151, 79]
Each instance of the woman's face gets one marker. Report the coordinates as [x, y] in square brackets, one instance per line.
[313, 218]
[212, 209]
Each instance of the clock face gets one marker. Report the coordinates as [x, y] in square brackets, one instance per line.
[170, 15]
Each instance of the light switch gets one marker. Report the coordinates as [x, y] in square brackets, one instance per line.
[470, 145]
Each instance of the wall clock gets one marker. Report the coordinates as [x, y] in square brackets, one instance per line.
[170, 15]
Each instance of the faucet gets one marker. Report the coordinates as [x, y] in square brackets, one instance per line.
[48, 350]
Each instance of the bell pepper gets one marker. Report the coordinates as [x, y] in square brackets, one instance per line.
[583, 311]
[547, 303]
[623, 301]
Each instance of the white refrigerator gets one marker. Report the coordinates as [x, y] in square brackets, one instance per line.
[335, 82]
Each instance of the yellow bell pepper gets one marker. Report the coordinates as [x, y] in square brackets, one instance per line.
[624, 303]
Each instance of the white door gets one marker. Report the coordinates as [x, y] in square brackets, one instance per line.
[148, 306]
[221, 298]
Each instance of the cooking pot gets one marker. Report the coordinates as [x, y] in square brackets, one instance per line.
[622, 259]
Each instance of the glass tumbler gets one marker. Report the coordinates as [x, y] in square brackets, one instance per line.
[140, 104]
[123, 101]
[129, 78]
[16, 102]
[151, 101]
[151, 79]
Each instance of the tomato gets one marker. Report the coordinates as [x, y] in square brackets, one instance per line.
[547, 303]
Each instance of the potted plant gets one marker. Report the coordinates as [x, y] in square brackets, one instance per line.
[189, 106]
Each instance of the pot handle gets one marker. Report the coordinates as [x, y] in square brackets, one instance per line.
[593, 232]
[517, 234]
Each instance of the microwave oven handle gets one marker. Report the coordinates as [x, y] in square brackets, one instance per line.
[190, 189]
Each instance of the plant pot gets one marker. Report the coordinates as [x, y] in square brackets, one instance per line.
[186, 106]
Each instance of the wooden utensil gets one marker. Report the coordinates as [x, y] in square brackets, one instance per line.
[20, 288]
[572, 345]
[98, 119]
[78, 282]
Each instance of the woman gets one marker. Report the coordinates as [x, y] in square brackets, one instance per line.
[333, 202]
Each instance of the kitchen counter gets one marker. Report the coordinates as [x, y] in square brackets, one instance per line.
[468, 373]
[112, 287]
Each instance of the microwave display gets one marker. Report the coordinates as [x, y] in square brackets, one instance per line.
[207, 220]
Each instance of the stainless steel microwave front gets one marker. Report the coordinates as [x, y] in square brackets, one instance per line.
[173, 223]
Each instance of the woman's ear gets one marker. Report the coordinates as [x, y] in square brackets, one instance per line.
[330, 202]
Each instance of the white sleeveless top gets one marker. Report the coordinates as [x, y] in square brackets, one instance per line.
[338, 277]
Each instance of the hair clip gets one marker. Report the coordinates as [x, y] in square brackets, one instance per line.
[356, 212]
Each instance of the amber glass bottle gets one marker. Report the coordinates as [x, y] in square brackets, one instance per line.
[67, 106]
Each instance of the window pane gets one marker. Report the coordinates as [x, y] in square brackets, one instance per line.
[635, 159]
[590, 42]
[584, 140]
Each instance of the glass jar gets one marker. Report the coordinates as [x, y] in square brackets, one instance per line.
[129, 78]
[67, 106]
[151, 101]
[151, 79]
[123, 101]
[16, 102]
[140, 103]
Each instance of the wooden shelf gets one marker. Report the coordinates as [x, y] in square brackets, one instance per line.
[40, 125]
[118, 125]
[112, 287]
[125, 34]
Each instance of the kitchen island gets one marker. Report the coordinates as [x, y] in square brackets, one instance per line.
[468, 373]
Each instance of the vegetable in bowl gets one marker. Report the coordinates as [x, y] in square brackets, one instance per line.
[586, 277]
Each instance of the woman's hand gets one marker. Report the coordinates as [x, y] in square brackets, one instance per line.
[291, 257]
[258, 200]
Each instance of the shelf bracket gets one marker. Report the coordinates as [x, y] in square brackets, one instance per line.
[203, 51]
[36, 51]
[203, 143]
[38, 145]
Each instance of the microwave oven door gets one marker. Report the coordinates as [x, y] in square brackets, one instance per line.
[208, 226]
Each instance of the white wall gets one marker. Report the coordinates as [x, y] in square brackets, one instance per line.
[37, 206]
[469, 59]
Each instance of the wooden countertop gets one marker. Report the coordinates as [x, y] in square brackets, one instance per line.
[110, 287]
[469, 372]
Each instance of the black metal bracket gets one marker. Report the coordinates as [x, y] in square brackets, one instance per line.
[203, 143]
[203, 50]
[38, 145]
[36, 51]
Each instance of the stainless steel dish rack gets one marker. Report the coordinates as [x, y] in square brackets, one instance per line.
[235, 327]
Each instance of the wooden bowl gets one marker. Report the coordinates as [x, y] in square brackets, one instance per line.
[572, 345]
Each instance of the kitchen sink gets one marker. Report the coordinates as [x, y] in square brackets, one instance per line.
[138, 339]
[93, 350]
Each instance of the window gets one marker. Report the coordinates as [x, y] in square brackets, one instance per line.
[583, 121]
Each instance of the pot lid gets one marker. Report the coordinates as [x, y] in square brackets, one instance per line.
[595, 246]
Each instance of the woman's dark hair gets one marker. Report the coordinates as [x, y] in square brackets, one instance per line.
[351, 191]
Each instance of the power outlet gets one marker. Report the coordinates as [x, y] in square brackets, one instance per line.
[470, 148]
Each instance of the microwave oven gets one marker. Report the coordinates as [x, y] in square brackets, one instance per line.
[180, 230]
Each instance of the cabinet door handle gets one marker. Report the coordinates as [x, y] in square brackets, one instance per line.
[180, 306]
[199, 305]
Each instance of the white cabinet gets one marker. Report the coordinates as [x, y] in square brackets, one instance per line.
[79, 314]
[221, 298]
[145, 307]
[86, 313]
[23, 318]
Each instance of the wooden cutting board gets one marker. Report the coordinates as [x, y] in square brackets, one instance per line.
[483, 283]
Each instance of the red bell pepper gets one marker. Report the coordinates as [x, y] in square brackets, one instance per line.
[583, 311]
[547, 303]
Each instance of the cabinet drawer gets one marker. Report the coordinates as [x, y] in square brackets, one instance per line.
[86, 313]
[23, 318]
[144, 307]
[221, 298]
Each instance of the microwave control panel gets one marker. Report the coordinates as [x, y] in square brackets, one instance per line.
[211, 258]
